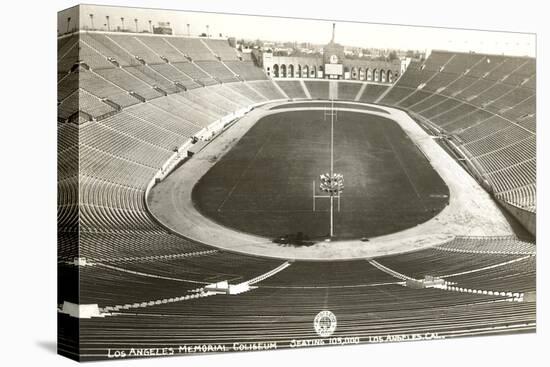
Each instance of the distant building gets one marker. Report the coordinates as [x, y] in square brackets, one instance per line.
[331, 64]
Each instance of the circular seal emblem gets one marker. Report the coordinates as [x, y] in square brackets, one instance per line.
[333, 59]
[324, 324]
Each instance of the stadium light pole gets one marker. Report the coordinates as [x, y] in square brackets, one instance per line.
[68, 23]
[188, 30]
[150, 29]
[136, 20]
[108, 23]
[122, 21]
[92, 21]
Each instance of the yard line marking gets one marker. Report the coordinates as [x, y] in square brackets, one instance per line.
[244, 172]
[403, 168]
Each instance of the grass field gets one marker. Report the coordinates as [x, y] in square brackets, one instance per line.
[263, 185]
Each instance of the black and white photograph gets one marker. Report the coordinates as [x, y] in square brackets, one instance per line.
[232, 183]
[316, 183]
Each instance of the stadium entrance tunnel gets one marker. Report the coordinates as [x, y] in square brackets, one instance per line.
[255, 188]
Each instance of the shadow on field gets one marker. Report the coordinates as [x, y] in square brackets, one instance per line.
[294, 240]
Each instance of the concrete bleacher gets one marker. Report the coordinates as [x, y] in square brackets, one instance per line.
[246, 70]
[101, 137]
[489, 245]
[68, 54]
[321, 274]
[192, 47]
[519, 276]
[348, 91]
[217, 70]
[487, 101]
[163, 48]
[119, 155]
[131, 83]
[105, 166]
[105, 46]
[67, 85]
[222, 49]
[293, 88]
[92, 58]
[103, 88]
[244, 90]
[372, 92]
[172, 73]
[267, 89]
[176, 106]
[438, 263]
[136, 47]
[317, 89]
[133, 123]
[152, 78]
[191, 70]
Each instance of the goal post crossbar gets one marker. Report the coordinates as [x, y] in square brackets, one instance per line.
[315, 196]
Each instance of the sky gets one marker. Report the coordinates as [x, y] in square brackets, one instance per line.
[366, 35]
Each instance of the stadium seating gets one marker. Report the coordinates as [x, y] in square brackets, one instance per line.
[372, 92]
[172, 73]
[488, 102]
[158, 92]
[67, 54]
[221, 49]
[244, 90]
[105, 89]
[137, 47]
[217, 70]
[246, 70]
[125, 80]
[163, 48]
[292, 88]
[194, 48]
[302, 274]
[192, 71]
[104, 45]
[92, 58]
[438, 263]
[153, 78]
[176, 106]
[348, 91]
[267, 89]
[68, 106]
[317, 89]
[67, 85]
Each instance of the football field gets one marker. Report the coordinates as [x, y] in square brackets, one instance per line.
[263, 185]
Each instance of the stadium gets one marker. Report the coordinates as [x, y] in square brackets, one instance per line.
[216, 200]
